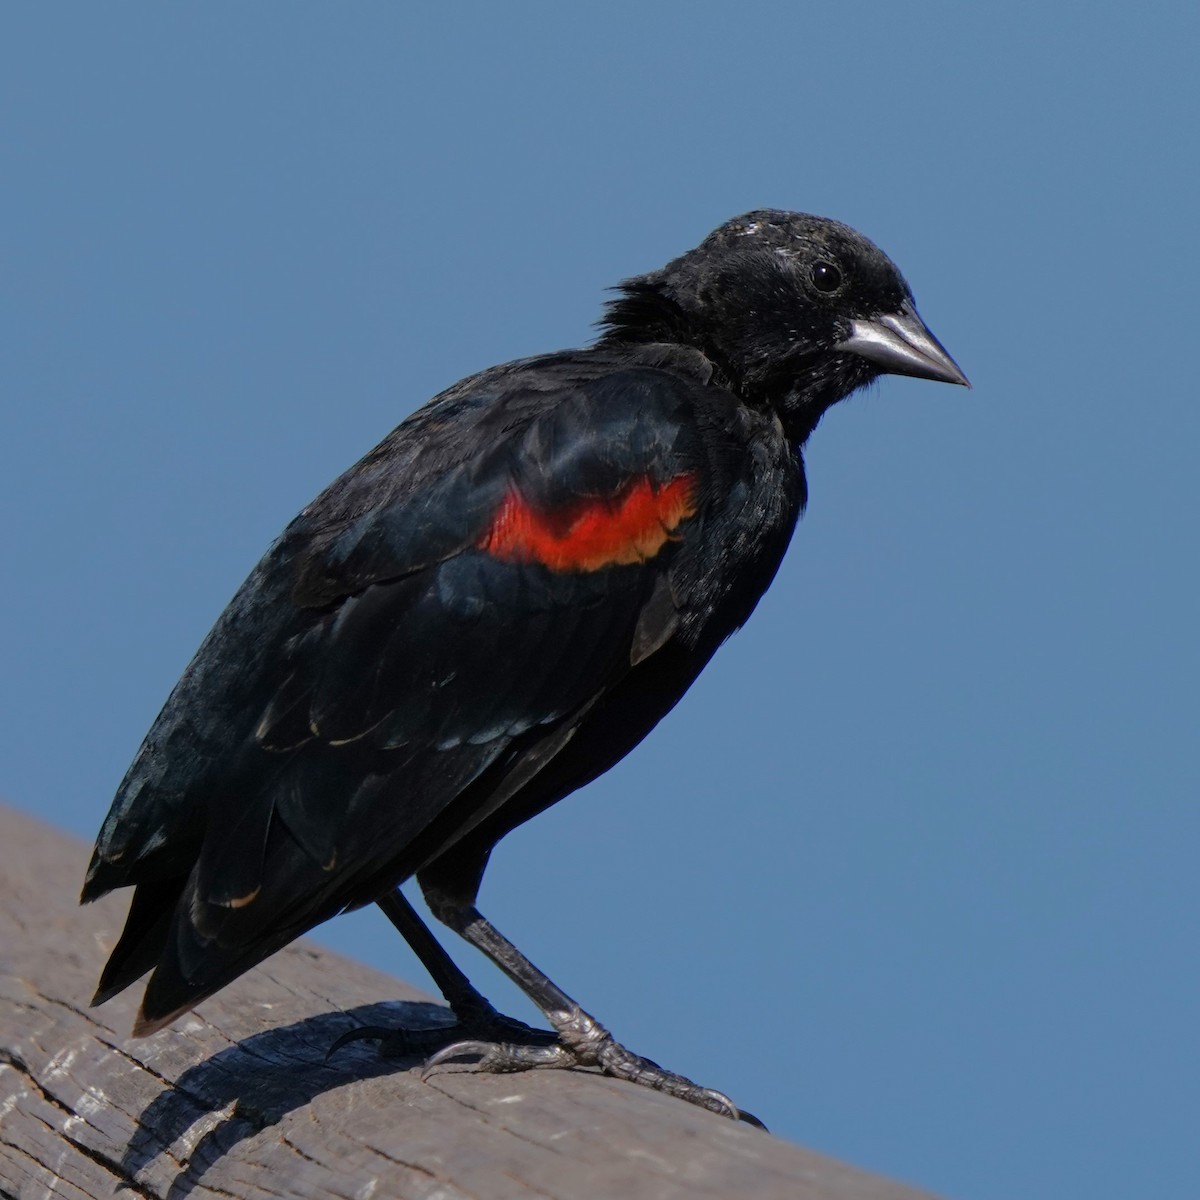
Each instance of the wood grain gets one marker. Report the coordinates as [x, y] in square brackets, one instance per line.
[237, 1100]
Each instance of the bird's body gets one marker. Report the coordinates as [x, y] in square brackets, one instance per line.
[491, 608]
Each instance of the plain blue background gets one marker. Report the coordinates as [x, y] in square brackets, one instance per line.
[911, 873]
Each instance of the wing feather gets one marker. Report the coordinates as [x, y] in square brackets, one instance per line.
[391, 653]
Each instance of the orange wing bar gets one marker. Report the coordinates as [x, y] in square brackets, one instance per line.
[627, 528]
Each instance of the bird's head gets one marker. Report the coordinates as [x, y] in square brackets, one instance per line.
[795, 311]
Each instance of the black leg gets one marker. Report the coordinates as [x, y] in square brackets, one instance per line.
[582, 1041]
[476, 1018]
[445, 972]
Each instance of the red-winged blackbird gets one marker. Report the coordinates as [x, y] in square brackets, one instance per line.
[485, 613]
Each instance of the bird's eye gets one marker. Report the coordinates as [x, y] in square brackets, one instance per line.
[826, 277]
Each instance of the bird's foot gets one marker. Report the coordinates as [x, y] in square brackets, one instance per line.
[582, 1042]
[475, 1024]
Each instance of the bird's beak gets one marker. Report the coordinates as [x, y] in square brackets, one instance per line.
[901, 344]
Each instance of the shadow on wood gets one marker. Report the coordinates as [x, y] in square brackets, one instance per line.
[239, 1101]
[259, 1081]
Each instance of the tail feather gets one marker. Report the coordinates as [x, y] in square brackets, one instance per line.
[172, 990]
[147, 928]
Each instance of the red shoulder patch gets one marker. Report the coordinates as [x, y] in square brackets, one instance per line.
[619, 530]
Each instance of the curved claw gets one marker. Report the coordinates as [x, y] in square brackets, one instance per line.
[361, 1033]
[716, 1102]
[589, 1045]
[721, 1104]
[499, 1058]
[455, 1049]
[750, 1119]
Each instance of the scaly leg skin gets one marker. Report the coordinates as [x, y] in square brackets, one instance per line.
[582, 1041]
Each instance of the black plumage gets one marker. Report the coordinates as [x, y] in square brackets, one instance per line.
[489, 610]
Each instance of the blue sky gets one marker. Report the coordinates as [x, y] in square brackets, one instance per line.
[911, 871]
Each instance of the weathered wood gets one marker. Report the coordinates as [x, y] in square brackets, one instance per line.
[238, 1100]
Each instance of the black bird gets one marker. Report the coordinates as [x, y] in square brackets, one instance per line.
[484, 614]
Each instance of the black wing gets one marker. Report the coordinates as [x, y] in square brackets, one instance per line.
[445, 612]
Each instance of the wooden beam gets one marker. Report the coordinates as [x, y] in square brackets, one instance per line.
[238, 1101]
